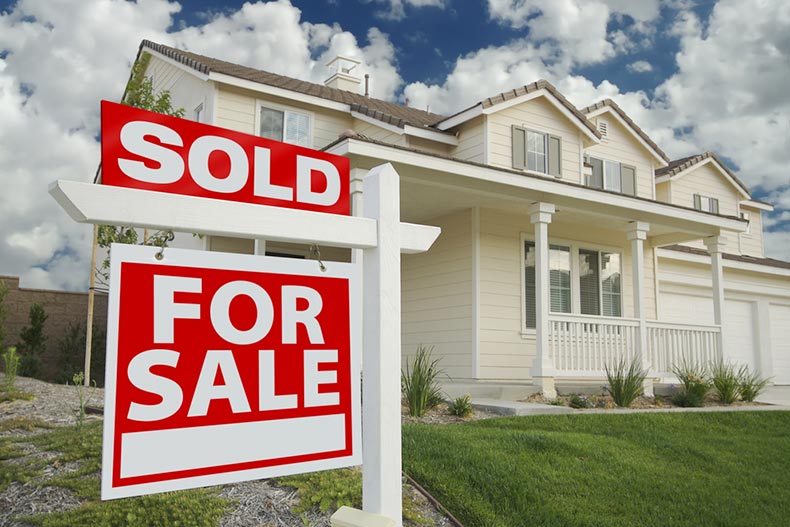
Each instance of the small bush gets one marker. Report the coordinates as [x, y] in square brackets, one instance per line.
[11, 363]
[578, 401]
[419, 383]
[462, 406]
[33, 343]
[71, 356]
[750, 384]
[695, 384]
[724, 380]
[3, 311]
[625, 381]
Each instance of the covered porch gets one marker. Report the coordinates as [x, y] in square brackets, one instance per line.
[471, 297]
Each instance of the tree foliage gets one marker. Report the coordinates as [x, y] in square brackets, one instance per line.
[33, 343]
[139, 93]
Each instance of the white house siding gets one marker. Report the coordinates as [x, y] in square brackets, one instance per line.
[186, 90]
[471, 141]
[707, 181]
[756, 306]
[377, 133]
[236, 111]
[437, 297]
[505, 351]
[620, 145]
[752, 243]
[540, 115]
[662, 192]
[426, 145]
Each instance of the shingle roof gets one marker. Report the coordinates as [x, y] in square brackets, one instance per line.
[679, 165]
[641, 133]
[388, 112]
[530, 88]
[770, 262]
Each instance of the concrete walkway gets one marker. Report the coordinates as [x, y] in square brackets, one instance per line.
[775, 399]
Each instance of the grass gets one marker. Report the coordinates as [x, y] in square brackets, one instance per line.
[196, 508]
[706, 469]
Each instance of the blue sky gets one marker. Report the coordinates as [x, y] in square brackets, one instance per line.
[696, 75]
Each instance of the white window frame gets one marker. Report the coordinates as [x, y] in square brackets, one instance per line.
[545, 138]
[706, 203]
[575, 246]
[619, 188]
[748, 217]
[199, 112]
[285, 109]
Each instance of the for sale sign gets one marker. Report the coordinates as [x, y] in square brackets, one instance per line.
[152, 151]
[225, 368]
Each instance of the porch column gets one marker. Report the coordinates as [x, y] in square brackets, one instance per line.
[637, 233]
[715, 245]
[543, 368]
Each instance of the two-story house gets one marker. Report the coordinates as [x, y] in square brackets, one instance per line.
[569, 238]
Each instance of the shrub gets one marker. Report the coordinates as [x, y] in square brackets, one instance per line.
[71, 354]
[462, 406]
[695, 384]
[3, 311]
[751, 384]
[625, 381]
[724, 380]
[419, 383]
[11, 363]
[577, 401]
[33, 343]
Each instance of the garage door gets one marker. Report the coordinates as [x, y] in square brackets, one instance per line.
[780, 342]
[738, 322]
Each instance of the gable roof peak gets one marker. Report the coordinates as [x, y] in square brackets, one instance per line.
[388, 112]
[679, 166]
[609, 103]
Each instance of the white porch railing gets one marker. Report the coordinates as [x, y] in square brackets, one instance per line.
[670, 344]
[583, 345]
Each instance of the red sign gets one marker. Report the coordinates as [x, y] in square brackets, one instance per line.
[152, 151]
[224, 368]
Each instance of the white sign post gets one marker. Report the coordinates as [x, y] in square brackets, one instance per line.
[380, 233]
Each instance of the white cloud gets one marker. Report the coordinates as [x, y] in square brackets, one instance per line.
[640, 66]
[777, 244]
[396, 9]
[61, 57]
[579, 27]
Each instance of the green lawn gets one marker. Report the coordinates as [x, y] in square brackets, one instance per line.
[690, 469]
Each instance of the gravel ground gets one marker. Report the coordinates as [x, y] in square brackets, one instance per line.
[256, 503]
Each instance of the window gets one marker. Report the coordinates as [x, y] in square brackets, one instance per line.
[591, 286]
[198, 114]
[611, 175]
[285, 125]
[748, 218]
[536, 151]
[706, 203]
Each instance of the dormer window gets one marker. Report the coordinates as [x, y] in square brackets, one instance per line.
[284, 124]
[706, 203]
[536, 151]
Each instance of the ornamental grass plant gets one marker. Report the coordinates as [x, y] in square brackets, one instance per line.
[420, 382]
[625, 381]
[695, 384]
[751, 384]
[724, 380]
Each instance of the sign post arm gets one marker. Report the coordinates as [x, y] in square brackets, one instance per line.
[381, 358]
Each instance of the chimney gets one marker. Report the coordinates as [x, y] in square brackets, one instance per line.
[342, 78]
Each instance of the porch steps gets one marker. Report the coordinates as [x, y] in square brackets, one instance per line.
[490, 390]
[502, 407]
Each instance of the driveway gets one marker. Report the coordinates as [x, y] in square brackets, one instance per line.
[776, 395]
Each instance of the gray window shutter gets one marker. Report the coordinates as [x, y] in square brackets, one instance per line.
[597, 173]
[555, 155]
[697, 202]
[519, 148]
[628, 175]
[714, 205]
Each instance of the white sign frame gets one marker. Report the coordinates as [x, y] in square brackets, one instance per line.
[224, 261]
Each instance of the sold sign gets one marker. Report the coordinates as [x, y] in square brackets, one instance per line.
[225, 368]
[152, 151]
